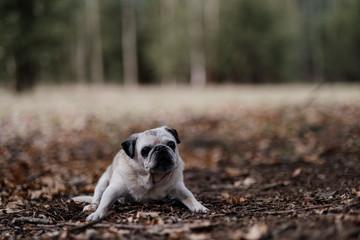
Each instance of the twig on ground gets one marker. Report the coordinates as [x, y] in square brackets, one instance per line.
[81, 228]
[312, 208]
[37, 175]
[297, 209]
[31, 220]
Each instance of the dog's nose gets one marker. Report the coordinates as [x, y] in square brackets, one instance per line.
[159, 148]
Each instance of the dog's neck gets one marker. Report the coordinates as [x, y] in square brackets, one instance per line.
[158, 177]
[149, 180]
[143, 178]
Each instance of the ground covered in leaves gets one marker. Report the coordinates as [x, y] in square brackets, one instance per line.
[289, 172]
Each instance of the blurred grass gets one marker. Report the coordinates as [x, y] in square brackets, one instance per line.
[236, 124]
[49, 108]
[112, 102]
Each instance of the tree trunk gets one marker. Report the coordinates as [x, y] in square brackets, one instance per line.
[26, 63]
[197, 53]
[96, 61]
[26, 71]
[129, 43]
[211, 28]
[80, 48]
[212, 15]
[168, 34]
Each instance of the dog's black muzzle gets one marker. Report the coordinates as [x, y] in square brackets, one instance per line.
[163, 159]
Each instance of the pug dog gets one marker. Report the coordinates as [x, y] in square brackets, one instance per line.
[148, 167]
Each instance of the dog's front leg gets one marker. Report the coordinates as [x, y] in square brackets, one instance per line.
[187, 198]
[110, 195]
[99, 190]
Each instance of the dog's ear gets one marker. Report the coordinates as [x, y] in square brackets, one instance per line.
[174, 133]
[129, 145]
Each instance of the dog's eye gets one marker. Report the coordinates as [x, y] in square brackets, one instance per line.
[145, 151]
[172, 145]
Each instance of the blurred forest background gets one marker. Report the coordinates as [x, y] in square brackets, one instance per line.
[199, 42]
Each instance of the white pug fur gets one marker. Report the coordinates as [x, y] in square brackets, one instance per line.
[148, 167]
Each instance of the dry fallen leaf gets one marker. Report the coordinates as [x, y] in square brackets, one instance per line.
[199, 236]
[296, 172]
[249, 181]
[14, 205]
[147, 214]
[230, 199]
[257, 231]
[234, 172]
[225, 195]
[354, 191]
[320, 211]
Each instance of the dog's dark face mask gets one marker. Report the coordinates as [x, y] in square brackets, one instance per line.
[156, 149]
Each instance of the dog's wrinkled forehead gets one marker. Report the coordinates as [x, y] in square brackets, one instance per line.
[151, 132]
[154, 136]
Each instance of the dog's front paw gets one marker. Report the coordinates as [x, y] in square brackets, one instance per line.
[95, 216]
[91, 207]
[198, 208]
[201, 209]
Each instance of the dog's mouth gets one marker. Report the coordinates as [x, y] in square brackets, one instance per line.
[162, 162]
[163, 168]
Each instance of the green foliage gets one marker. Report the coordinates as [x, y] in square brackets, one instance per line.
[111, 38]
[167, 42]
[251, 41]
[341, 42]
[256, 40]
[36, 37]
